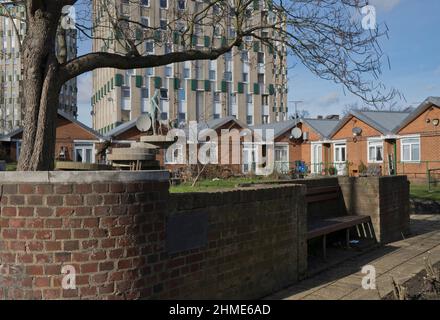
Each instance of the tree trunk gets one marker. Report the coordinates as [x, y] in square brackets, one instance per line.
[41, 86]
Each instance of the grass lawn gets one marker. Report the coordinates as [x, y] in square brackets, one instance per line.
[207, 185]
[11, 166]
[420, 191]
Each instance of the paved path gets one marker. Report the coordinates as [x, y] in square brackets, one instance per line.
[399, 260]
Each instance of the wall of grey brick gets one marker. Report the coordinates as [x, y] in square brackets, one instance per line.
[128, 238]
[385, 199]
[256, 242]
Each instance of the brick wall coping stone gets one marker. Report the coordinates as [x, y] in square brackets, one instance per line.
[82, 176]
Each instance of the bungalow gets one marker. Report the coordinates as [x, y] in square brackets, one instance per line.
[364, 138]
[74, 141]
[418, 142]
[301, 140]
[126, 133]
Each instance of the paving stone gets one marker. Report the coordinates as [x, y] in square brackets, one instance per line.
[400, 260]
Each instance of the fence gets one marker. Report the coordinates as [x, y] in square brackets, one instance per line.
[433, 179]
[421, 170]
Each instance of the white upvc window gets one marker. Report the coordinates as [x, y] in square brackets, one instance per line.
[340, 152]
[177, 156]
[210, 156]
[84, 152]
[410, 149]
[375, 151]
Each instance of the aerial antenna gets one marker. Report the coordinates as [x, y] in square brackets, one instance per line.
[296, 102]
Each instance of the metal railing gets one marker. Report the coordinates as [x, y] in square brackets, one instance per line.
[423, 170]
[432, 178]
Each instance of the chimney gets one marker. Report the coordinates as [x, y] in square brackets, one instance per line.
[319, 117]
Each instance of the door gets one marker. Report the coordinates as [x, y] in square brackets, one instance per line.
[249, 159]
[316, 159]
[340, 157]
[282, 159]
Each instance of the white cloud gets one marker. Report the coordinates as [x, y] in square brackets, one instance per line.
[330, 99]
[85, 88]
[385, 5]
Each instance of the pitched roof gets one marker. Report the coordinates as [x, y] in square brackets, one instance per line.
[279, 128]
[121, 128]
[82, 125]
[321, 126]
[425, 105]
[215, 124]
[383, 121]
[7, 137]
[210, 124]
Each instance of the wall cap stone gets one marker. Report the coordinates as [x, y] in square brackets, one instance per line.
[82, 176]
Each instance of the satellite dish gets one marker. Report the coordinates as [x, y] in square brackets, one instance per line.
[296, 133]
[357, 131]
[143, 123]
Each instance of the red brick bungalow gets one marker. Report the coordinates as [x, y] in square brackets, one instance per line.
[74, 141]
[126, 133]
[312, 147]
[366, 138]
[418, 145]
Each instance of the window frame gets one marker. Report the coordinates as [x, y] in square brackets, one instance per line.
[160, 4]
[179, 159]
[83, 146]
[338, 146]
[375, 143]
[402, 144]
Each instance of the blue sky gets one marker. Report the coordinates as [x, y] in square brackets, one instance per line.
[413, 48]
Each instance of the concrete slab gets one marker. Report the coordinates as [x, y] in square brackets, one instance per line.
[82, 176]
[400, 260]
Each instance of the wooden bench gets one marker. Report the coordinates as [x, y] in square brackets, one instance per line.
[324, 227]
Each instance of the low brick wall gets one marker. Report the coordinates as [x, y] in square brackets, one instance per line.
[108, 225]
[254, 242]
[128, 238]
[385, 199]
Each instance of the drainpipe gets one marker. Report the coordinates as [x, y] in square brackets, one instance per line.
[395, 157]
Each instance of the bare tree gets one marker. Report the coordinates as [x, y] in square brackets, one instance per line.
[300, 114]
[384, 106]
[321, 34]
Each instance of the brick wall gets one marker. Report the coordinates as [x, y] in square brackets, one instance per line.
[110, 232]
[255, 243]
[116, 230]
[385, 199]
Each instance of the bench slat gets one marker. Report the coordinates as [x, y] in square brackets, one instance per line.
[331, 225]
[322, 197]
[319, 190]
